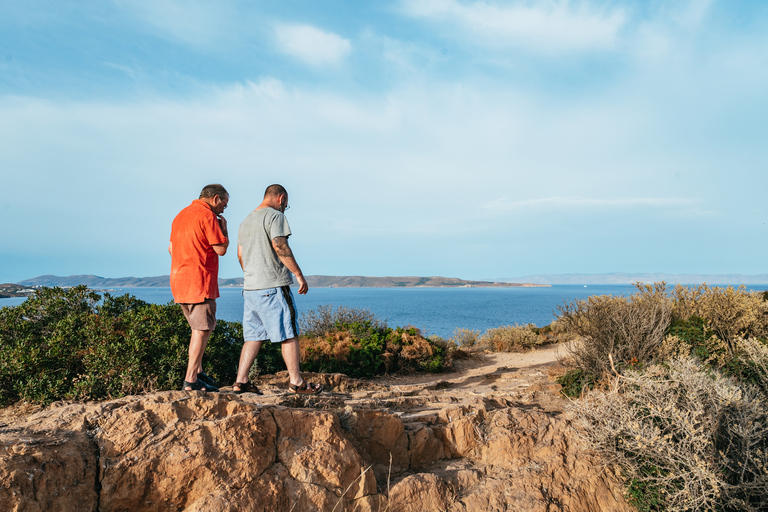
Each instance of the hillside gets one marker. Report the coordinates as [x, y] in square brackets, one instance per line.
[14, 290]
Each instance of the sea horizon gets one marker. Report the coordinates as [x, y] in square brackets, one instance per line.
[436, 311]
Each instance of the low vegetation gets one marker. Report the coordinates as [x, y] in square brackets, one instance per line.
[72, 344]
[670, 384]
[673, 387]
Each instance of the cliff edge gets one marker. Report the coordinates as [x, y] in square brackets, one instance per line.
[491, 436]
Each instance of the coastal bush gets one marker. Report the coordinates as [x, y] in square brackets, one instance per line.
[465, 338]
[368, 347]
[683, 410]
[687, 438]
[270, 360]
[630, 329]
[729, 312]
[324, 319]
[575, 382]
[511, 338]
[69, 344]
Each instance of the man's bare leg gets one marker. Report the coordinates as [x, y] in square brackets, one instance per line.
[197, 344]
[290, 350]
[291, 355]
[247, 356]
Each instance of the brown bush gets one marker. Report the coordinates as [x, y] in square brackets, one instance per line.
[692, 439]
[465, 338]
[730, 312]
[631, 329]
[325, 319]
[510, 338]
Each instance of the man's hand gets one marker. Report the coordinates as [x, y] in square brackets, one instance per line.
[284, 252]
[223, 226]
[303, 286]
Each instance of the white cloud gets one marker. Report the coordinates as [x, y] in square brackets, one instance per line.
[582, 203]
[312, 45]
[192, 22]
[546, 26]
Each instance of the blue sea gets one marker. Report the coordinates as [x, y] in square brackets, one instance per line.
[433, 310]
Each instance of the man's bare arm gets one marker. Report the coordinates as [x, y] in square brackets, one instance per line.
[221, 249]
[284, 252]
[170, 249]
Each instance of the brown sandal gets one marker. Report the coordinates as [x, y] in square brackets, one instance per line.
[305, 388]
[245, 387]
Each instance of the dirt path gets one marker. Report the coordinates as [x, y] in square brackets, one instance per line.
[502, 377]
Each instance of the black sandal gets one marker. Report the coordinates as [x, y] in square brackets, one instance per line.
[305, 388]
[198, 385]
[208, 380]
[245, 387]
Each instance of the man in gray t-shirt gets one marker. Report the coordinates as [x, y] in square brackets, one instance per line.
[261, 264]
[269, 312]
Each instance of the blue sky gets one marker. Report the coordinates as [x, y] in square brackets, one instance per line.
[478, 140]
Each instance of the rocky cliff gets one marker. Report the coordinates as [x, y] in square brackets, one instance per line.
[495, 439]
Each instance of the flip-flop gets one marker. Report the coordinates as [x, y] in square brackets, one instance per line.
[305, 388]
[245, 387]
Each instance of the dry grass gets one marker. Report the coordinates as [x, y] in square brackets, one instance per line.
[465, 338]
[693, 438]
[730, 312]
[325, 319]
[510, 338]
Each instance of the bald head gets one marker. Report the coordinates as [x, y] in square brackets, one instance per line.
[276, 197]
[275, 191]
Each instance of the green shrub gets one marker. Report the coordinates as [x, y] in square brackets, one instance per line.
[575, 382]
[270, 360]
[62, 344]
[366, 347]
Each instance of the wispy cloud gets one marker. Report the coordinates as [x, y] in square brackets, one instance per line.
[559, 25]
[312, 45]
[192, 22]
[584, 203]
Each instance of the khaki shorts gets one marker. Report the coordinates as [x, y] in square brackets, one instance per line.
[201, 316]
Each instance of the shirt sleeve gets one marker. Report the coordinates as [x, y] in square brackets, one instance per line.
[279, 226]
[213, 231]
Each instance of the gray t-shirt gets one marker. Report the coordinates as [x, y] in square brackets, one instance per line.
[261, 266]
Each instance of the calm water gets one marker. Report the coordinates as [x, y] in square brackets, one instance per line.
[433, 310]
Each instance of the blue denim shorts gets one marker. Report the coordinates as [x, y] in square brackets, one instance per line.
[269, 315]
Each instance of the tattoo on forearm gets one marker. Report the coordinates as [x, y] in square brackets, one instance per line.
[280, 244]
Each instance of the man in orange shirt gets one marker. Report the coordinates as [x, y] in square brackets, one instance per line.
[198, 237]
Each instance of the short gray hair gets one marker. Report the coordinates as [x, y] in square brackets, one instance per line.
[211, 191]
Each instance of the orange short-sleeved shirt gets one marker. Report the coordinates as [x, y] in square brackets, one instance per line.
[194, 263]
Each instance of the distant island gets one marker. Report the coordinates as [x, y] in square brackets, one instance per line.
[9, 290]
[98, 282]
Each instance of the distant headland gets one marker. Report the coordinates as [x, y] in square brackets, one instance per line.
[26, 287]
